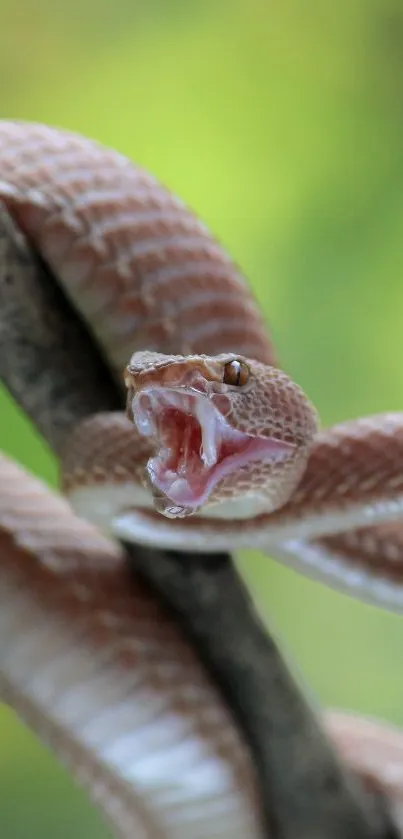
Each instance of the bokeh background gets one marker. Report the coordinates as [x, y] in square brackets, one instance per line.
[282, 123]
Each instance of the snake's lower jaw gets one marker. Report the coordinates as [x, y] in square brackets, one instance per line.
[162, 503]
[168, 508]
[182, 493]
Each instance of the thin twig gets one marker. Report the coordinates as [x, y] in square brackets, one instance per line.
[47, 359]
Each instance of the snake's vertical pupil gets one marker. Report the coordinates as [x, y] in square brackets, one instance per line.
[236, 373]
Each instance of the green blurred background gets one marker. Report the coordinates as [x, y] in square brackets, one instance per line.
[281, 123]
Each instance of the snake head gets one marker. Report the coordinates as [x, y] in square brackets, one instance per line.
[226, 430]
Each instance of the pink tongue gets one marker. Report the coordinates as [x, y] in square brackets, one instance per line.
[185, 486]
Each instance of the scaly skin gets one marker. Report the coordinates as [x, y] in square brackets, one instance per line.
[146, 273]
[150, 279]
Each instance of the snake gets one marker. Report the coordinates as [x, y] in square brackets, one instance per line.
[216, 451]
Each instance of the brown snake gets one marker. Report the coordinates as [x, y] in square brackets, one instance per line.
[237, 446]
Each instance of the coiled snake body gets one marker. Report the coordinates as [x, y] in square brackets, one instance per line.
[216, 451]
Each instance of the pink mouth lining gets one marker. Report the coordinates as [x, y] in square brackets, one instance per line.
[196, 445]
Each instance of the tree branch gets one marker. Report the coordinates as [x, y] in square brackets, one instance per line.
[50, 364]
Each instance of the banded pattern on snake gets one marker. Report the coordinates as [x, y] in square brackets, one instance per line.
[216, 451]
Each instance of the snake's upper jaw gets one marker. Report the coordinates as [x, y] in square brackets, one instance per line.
[195, 446]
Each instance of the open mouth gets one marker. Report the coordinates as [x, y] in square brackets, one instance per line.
[196, 446]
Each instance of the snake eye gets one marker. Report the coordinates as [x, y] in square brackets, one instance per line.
[236, 373]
